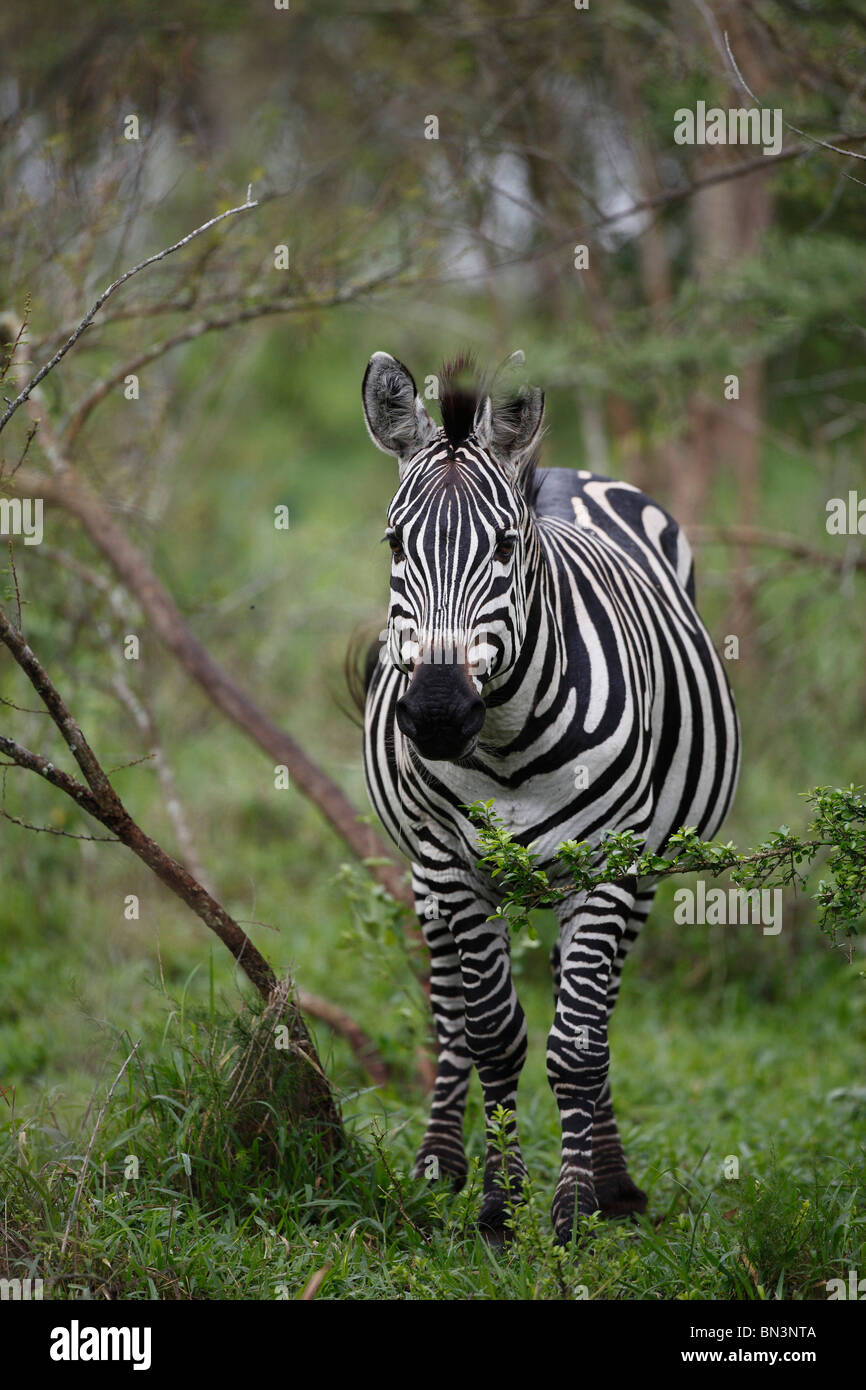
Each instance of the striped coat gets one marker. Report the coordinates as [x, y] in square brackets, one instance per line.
[543, 649]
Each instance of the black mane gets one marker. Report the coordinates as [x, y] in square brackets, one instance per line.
[459, 394]
[461, 388]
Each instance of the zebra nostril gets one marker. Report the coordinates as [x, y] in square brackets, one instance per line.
[474, 717]
[444, 727]
[405, 722]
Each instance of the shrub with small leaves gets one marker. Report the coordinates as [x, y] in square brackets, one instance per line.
[836, 835]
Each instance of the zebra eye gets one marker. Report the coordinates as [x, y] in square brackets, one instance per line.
[396, 546]
[504, 547]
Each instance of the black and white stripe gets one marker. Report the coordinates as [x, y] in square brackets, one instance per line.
[544, 650]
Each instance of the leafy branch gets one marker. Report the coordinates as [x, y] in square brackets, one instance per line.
[838, 826]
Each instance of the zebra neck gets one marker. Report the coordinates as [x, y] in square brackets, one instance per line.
[541, 664]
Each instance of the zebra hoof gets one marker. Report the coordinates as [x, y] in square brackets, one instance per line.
[619, 1196]
[569, 1205]
[434, 1166]
[567, 1233]
[496, 1207]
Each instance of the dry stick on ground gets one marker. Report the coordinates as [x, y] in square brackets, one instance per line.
[79, 1186]
[101, 802]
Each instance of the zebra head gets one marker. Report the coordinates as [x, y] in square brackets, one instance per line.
[458, 527]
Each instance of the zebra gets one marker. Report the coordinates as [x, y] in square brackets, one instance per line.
[543, 650]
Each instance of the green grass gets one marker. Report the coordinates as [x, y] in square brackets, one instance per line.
[724, 1042]
[698, 1082]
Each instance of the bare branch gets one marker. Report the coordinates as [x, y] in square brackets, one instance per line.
[775, 540]
[335, 1017]
[72, 735]
[813, 139]
[654, 203]
[65, 489]
[192, 331]
[33, 762]
[106, 294]
[103, 803]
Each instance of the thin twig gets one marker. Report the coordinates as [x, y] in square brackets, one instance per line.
[54, 830]
[775, 540]
[813, 139]
[14, 573]
[245, 314]
[106, 294]
[67, 490]
[102, 802]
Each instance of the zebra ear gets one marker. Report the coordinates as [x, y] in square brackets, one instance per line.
[396, 418]
[510, 429]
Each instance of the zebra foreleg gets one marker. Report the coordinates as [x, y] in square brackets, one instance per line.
[442, 1153]
[496, 1036]
[578, 1058]
[616, 1192]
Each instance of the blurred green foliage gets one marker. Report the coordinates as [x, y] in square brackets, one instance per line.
[719, 1032]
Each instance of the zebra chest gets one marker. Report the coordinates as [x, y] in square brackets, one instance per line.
[523, 810]
[585, 794]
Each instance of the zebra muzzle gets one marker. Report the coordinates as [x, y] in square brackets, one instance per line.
[441, 713]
